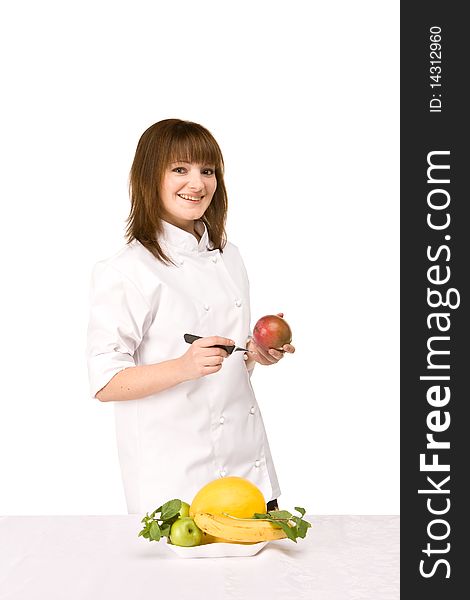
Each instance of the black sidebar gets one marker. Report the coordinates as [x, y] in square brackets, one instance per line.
[435, 333]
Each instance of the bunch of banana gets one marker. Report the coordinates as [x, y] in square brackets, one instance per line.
[233, 529]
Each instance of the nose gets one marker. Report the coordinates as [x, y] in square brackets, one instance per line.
[195, 181]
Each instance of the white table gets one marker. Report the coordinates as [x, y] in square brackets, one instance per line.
[88, 557]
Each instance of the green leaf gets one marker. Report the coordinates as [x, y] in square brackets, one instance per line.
[152, 515]
[302, 528]
[170, 509]
[300, 510]
[144, 533]
[261, 516]
[155, 533]
[165, 530]
[170, 521]
[280, 514]
[290, 531]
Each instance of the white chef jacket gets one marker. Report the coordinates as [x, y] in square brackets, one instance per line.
[172, 443]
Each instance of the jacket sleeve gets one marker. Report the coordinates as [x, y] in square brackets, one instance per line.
[119, 318]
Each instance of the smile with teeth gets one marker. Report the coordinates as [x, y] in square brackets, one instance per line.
[191, 198]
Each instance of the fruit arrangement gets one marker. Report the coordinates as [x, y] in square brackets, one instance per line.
[230, 510]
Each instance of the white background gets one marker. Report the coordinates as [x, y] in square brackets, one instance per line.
[303, 99]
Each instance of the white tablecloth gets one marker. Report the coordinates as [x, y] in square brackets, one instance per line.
[88, 557]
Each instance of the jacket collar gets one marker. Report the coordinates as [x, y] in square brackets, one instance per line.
[182, 241]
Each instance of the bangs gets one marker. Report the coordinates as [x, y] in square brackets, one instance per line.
[191, 144]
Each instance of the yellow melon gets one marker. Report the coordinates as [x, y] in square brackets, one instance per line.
[233, 495]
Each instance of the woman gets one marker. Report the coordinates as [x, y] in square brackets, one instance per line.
[185, 414]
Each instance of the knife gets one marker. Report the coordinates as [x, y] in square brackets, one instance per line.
[189, 338]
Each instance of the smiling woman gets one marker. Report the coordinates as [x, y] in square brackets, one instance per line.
[176, 157]
[184, 416]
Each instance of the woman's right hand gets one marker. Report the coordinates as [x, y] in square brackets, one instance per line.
[201, 359]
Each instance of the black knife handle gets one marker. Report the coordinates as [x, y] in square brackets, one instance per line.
[189, 339]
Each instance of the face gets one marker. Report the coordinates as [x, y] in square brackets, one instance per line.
[187, 190]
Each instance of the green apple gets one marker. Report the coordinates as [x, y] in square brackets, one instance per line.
[185, 532]
[184, 510]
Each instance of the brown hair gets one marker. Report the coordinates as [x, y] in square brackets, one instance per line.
[162, 143]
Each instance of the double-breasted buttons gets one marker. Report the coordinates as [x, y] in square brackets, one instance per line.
[252, 410]
[257, 463]
[222, 420]
[222, 472]
[206, 307]
[238, 302]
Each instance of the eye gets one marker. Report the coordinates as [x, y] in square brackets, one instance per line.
[208, 171]
[179, 170]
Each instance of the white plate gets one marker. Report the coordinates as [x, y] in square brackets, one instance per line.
[217, 550]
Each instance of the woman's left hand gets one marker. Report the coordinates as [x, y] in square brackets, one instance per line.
[266, 357]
